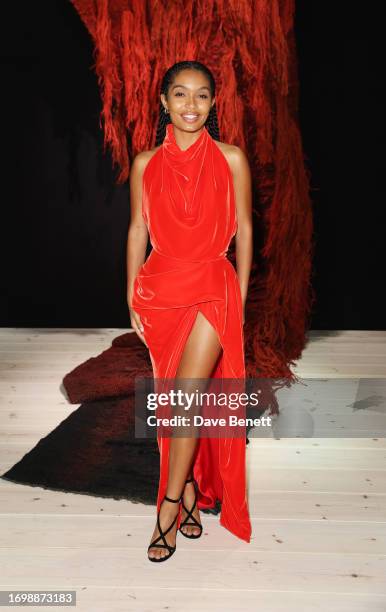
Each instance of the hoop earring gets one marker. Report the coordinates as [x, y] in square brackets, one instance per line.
[166, 111]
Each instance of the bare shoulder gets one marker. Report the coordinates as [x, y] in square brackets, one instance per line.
[235, 156]
[141, 160]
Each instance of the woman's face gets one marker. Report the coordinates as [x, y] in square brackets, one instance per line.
[189, 100]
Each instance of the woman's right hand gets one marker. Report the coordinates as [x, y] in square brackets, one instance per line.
[136, 324]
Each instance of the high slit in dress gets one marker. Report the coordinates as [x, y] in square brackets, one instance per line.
[188, 204]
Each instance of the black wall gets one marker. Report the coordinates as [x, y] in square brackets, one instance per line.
[64, 220]
[340, 48]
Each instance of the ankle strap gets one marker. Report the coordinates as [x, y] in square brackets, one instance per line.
[189, 480]
[175, 501]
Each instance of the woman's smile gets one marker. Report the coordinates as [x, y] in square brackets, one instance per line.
[190, 117]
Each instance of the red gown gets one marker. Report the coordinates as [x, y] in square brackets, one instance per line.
[189, 208]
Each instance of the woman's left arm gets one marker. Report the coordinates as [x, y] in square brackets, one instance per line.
[244, 235]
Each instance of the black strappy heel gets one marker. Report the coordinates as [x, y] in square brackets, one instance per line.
[162, 535]
[192, 536]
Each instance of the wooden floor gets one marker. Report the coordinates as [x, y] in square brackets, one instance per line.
[318, 505]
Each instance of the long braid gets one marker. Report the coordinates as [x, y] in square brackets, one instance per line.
[164, 118]
[212, 123]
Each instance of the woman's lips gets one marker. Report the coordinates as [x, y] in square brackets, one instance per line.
[190, 118]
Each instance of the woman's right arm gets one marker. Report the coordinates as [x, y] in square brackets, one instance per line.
[137, 237]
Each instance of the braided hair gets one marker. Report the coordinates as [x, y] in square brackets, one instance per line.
[168, 78]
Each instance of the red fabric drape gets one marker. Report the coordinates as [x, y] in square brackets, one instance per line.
[249, 46]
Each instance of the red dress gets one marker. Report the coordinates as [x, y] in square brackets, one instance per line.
[189, 208]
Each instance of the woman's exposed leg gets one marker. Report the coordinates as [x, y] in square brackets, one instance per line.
[199, 357]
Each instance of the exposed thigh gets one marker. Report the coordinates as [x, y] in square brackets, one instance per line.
[201, 351]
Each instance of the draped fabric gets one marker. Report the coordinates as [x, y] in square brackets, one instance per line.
[189, 208]
[249, 45]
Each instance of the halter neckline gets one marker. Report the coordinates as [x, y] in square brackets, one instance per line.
[171, 146]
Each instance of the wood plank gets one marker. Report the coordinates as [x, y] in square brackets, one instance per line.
[331, 336]
[17, 345]
[344, 573]
[262, 504]
[265, 457]
[304, 479]
[60, 366]
[319, 458]
[28, 419]
[294, 480]
[341, 371]
[48, 388]
[102, 530]
[51, 338]
[188, 599]
[25, 358]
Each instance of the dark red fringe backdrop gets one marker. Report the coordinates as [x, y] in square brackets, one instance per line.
[249, 46]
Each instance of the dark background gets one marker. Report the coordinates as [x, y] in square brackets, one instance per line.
[65, 221]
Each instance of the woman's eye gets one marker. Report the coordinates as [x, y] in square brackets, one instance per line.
[181, 93]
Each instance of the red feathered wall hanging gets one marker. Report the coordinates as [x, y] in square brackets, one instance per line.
[249, 47]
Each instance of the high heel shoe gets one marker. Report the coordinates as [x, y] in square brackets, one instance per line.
[192, 536]
[162, 535]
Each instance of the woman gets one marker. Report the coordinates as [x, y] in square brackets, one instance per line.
[191, 193]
